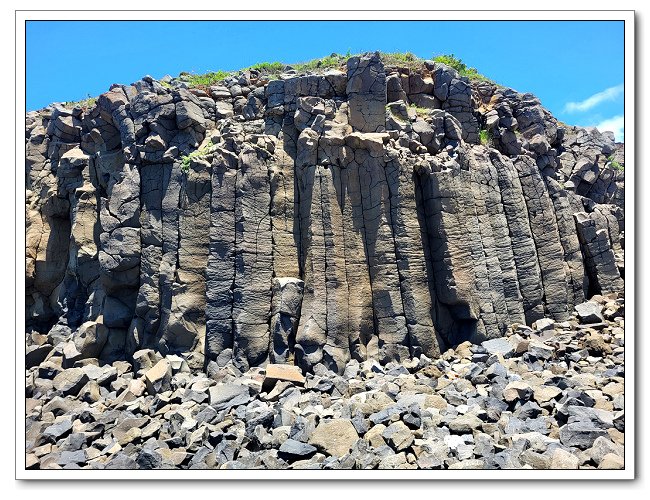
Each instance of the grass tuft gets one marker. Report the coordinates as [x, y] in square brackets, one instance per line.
[85, 104]
[614, 164]
[455, 62]
[186, 160]
[206, 79]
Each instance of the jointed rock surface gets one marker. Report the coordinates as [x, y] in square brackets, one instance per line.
[181, 239]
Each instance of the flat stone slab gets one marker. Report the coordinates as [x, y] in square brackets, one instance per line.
[282, 372]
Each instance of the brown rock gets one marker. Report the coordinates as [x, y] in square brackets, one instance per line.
[334, 437]
[158, 378]
[562, 459]
[287, 373]
[612, 461]
[517, 390]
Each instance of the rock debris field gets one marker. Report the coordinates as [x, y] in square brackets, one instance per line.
[547, 397]
[378, 262]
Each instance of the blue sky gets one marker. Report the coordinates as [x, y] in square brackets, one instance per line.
[575, 67]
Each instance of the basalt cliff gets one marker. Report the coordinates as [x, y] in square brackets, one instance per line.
[370, 212]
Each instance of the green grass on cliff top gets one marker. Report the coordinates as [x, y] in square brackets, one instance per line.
[272, 70]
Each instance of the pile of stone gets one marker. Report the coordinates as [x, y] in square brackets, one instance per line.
[546, 397]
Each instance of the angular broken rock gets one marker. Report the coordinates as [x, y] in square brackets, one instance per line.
[90, 339]
[286, 373]
[499, 346]
[612, 461]
[398, 435]
[70, 381]
[223, 396]
[517, 390]
[144, 360]
[57, 430]
[589, 312]
[158, 378]
[295, 450]
[36, 354]
[562, 459]
[465, 424]
[335, 437]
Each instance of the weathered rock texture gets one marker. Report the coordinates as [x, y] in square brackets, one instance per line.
[313, 219]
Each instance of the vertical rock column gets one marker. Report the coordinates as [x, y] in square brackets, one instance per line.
[503, 244]
[486, 199]
[360, 324]
[253, 258]
[600, 262]
[566, 204]
[83, 268]
[545, 233]
[119, 251]
[450, 237]
[366, 90]
[285, 311]
[390, 322]
[47, 218]
[186, 327]
[220, 271]
[529, 277]
[312, 329]
[415, 286]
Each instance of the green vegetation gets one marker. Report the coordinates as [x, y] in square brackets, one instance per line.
[461, 67]
[328, 62]
[269, 67]
[85, 104]
[420, 111]
[614, 164]
[403, 59]
[205, 80]
[484, 136]
[186, 160]
[396, 117]
[273, 69]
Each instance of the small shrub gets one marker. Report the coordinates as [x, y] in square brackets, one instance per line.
[614, 164]
[454, 62]
[396, 117]
[484, 136]
[85, 104]
[186, 160]
[206, 79]
[328, 62]
[405, 59]
[269, 67]
[419, 110]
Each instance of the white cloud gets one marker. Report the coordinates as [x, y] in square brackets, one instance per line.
[591, 102]
[614, 124]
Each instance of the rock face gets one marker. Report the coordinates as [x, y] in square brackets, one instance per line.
[314, 219]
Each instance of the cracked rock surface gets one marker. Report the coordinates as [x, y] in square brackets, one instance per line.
[327, 220]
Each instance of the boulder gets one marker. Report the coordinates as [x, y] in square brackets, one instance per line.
[335, 437]
[158, 377]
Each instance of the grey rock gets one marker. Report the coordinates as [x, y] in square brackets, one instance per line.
[499, 346]
[223, 396]
[398, 435]
[589, 312]
[70, 381]
[293, 450]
